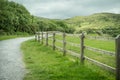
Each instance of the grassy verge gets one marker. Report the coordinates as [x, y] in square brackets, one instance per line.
[43, 63]
[4, 37]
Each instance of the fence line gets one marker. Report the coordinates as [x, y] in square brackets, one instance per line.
[35, 36]
[82, 48]
[101, 64]
[59, 40]
[64, 44]
[100, 50]
[90, 48]
[46, 38]
[54, 41]
[89, 59]
[117, 41]
[38, 37]
[73, 44]
[76, 35]
[100, 38]
[42, 36]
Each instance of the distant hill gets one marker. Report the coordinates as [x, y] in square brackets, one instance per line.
[98, 21]
[47, 24]
[95, 21]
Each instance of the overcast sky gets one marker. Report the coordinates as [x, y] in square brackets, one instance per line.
[61, 9]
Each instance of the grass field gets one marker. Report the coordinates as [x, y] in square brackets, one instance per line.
[102, 44]
[43, 63]
[108, 45]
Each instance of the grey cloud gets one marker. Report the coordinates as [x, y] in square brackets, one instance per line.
[69, 8]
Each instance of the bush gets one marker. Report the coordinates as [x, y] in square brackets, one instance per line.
[21, 33]
[2, 32]
[111, 31]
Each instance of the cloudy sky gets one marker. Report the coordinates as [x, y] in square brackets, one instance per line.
[61, 9]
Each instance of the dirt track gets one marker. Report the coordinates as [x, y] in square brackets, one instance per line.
[11, 63]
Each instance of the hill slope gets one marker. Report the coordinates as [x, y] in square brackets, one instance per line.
[14, 18]
[94, 22]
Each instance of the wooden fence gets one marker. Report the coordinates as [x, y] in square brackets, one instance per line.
[39, 37]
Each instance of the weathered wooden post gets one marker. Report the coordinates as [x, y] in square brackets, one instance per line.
[82, 48]
[64, 44]
[35, 36]
[53, 40]
[46, 38]
[42, 37]
[118, 57]
[108, 38]
[38, 36]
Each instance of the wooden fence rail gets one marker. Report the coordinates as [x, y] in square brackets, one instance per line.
[100, 38]
[89, 48]
[82, 48]
[101, 64]
[100, 50]
[89, 59]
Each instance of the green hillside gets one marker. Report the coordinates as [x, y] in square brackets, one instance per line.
[16, 19]
[46, 24]
[98, 21]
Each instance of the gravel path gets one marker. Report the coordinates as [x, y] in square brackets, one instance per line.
[11, 63]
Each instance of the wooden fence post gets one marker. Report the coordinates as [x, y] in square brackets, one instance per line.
[35, 36]
[46, 38]
[54, 41]
[82, 48]
[118, 57]
[42, 37]
[64, 44]
[38, 36]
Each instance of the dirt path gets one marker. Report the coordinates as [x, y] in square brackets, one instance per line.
[11, 63]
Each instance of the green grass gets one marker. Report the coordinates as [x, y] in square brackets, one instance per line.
[108, 45]
[5, 37]
[101, 44]
[104, 58]
[43, 63]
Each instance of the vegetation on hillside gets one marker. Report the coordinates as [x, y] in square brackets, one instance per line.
[15, 19]
[107, 23]
[53, 25]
